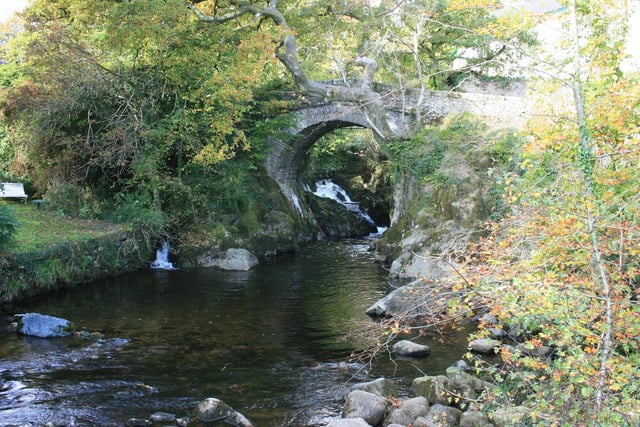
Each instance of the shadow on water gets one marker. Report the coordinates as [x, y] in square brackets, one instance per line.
[269, 342]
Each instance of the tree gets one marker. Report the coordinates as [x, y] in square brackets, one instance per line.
[566, 259]
[428, 34]
[143, 98]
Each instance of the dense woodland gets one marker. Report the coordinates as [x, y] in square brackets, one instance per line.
[155, 113]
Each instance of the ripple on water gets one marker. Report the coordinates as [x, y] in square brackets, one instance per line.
[269, 342]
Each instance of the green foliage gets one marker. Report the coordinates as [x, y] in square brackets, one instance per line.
[503, 147]
[10, 75]
[144, 98]
[423, 154]
[73, 200]
[142, 218]
[68, 262]
[445, 31]
[420, 156]
[29, 235]
[8, 224]
[333, 153]
[567, 260]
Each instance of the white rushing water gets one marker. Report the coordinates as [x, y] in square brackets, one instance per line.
[329, 190]
[162, 259]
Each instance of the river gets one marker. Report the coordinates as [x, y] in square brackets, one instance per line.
[269, 342]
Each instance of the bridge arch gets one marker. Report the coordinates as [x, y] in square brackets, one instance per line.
[314, 118]
[287, 155]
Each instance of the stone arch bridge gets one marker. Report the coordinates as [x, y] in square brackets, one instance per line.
[315, 118]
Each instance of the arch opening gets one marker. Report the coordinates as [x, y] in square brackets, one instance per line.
[288, 162]
[352, 158]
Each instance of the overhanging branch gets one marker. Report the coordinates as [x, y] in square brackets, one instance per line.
[287, 54]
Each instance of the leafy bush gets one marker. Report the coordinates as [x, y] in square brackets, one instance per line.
[8, 224]
[139, 212]
[73, 200]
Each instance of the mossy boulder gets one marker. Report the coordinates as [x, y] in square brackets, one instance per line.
[335, 220]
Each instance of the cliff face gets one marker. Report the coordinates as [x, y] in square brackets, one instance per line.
[449, 187]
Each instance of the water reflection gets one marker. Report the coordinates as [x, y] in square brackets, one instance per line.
[269, 342]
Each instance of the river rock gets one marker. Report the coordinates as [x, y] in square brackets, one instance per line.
[348, 422]
[485, 345]
[380, 387]
[236, 259]
[409, 266]
[399, 301]
[162, 417]
[138, 422]
[335, 219]
[497, 333]
[434, 388]
[474, 419]
[212, 409]
[460, 364]
[368, 406]
[43, 326]
[440, 416]
[408, 411]
[410, 349]
[508, 416]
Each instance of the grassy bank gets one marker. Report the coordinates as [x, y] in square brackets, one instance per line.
[50, 251]
[40, 229]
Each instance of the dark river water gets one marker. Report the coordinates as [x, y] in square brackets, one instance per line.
[272, 343]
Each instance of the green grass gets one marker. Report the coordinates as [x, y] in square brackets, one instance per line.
[40, 229]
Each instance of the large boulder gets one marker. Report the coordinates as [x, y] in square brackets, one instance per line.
[439, 416]
[335, 220]
[44, 326]
[457, 388]
[368, 406]
[508, 416]
[236, 259]
[214, 410]
[436, 389]
[463, 379]
[411, 301]
[474, 419]
[410, 266]
[401, 301]
[485, 345]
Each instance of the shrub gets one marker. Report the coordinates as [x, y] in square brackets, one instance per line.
[8, 224]
[143, 219]
[73, 200]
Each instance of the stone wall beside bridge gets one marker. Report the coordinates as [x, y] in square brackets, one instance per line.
[497, 111]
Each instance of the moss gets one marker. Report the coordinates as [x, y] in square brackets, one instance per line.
[457, 187]
[266, 226]
[67, 264]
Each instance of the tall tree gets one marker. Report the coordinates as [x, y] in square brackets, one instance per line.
[567, 257]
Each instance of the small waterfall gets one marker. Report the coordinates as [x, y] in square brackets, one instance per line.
[162, 259]
[327, 189]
